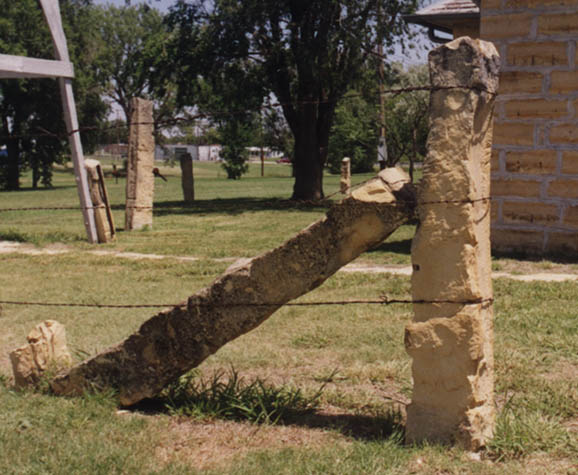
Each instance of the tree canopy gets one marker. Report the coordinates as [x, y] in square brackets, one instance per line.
[32, 126]
[306, 52]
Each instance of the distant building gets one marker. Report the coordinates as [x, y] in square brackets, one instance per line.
[255, 153]
[120, 149]
[174, 151]
[209, 153]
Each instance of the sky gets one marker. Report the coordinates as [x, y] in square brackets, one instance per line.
[410, 57]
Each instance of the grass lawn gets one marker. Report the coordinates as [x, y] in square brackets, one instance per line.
[355, 353]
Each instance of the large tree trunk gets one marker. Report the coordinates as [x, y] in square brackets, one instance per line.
[311, 139]
[176, 340]
[307, 168]
[13, 168]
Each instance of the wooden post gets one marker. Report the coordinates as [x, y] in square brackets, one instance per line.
[71, 120]
[102, 213]
[51, 12]
[262, 162]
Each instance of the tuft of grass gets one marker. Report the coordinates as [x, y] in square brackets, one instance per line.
[229, 396]
[520, 433]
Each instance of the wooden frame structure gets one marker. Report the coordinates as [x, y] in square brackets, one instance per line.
[63, 70]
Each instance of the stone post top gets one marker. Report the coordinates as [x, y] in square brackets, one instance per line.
[465, 62]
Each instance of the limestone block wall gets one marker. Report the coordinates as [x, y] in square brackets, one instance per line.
[535, 151]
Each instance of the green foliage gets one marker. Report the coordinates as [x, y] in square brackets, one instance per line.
[406, 119]
[235, 137]
[30, 107]
[306, 53]
[228, 396]
[354, 134]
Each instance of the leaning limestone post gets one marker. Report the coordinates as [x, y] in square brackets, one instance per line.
[176, 340]
[102, 214]
[345, 183]
[139, 177]
[452, 343]
[187, 178]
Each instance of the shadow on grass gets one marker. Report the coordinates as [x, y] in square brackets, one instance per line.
[232, 206]
[40, 188]
[355, 426]
[40, 238]
[396, 247]
[360, 427]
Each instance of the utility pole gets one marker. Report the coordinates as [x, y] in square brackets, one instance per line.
[382, 145]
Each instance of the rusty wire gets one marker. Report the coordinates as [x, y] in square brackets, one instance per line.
[382, 301]
[208, 114]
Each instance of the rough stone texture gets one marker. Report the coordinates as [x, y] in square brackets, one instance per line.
[102, 214]
[345, 183]
[140, 183]
[46, 350]
[178, 339]
[452, 343]
[187, 178]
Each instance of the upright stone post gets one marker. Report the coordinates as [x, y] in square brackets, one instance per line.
[451, 340]
[141, 155]
[345, 183]
[187, 177]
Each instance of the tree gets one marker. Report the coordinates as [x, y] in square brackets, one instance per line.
[31, 127]
[308, 52]
[133, 40]
[406, 118]
[355, 132]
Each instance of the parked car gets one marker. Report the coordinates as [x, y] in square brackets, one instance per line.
[284, 160]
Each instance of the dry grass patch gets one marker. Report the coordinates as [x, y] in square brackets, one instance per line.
[216, 443]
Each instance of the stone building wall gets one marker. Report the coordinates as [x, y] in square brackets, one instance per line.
[535, 152]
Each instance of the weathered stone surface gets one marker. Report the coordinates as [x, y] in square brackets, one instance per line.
[46, 350]
[345, 182]
[176, 340]
[140, 182]
[104, 221]
[452, 343]
[187, 178]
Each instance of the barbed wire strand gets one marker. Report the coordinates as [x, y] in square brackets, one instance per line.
[382, 301]
[288, 202]
[212, 114]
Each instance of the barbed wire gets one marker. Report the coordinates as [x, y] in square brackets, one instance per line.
[292, 203]
[43, 132]
[381, 301]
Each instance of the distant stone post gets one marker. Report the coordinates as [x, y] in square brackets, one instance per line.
[102, 214]
[451, 340]
[140, 178]
[345, 183]
[187, 177]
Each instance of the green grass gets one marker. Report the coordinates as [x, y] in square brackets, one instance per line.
[354, 352]
[239, 218]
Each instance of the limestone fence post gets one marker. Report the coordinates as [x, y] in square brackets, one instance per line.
[187, 177]
[139, 177]
[102, 214]
[451, 341]
[345, 183]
